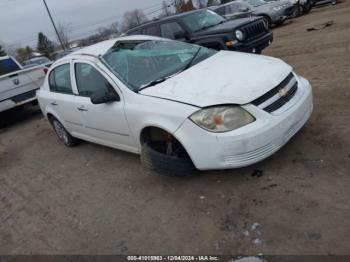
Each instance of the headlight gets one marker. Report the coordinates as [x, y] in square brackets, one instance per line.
[222, 118]
[239, 35]
[277, 8]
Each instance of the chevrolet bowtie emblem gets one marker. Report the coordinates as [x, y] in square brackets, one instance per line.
[283, 92]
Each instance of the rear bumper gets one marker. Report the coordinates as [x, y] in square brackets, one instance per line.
[257, 44]
[18, 100]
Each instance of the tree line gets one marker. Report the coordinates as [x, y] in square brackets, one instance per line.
[130, 19]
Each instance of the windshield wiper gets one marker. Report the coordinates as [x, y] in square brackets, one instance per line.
[189, 64]
[208, 26]
[155, 82]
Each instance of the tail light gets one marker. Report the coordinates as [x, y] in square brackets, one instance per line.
[45, 69]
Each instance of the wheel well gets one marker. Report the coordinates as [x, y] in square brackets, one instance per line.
[267, 17]
[152, 133]
[50, 117]
[155, 134]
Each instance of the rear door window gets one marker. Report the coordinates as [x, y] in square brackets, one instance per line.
[170, 29]
[136, 32]
[59, 80]
[152, 30]
[8, 66]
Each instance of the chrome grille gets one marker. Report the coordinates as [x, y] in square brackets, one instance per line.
[278, 96]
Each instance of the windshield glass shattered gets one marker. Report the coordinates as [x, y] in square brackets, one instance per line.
[140, 63]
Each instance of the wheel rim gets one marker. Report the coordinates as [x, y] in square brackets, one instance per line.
[60, 131]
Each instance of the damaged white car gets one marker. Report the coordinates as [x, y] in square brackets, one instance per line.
[180, 106]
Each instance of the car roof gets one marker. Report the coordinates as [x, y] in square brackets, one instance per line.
[229, 3]
[170, 17]
[102, 47]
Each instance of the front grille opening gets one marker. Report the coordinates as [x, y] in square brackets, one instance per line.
[280, 101]
[253, 30]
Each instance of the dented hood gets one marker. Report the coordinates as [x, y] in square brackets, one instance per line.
[225, 78]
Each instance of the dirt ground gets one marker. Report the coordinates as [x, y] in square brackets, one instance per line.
[95, 200]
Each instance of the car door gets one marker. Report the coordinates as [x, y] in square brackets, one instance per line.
[62, 99]
[104, 123]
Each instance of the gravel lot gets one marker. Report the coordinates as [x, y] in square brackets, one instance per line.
[96, 200]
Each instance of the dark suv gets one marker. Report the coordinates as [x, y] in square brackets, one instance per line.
[206, 28]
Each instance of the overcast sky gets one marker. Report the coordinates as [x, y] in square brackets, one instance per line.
[21, 20]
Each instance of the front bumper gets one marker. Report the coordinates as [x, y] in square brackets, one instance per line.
[283, 14]
[255, 45]
[249, 144]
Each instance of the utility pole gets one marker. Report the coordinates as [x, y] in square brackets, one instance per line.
[54, 26]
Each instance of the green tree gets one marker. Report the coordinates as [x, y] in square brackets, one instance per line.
[2, 52]
[44, 46]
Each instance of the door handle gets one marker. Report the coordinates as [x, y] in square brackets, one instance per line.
[54, 103]
[82, 108]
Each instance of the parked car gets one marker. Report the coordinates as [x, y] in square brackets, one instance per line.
[301, 7]
[275, 12]
[180, 106]
[35, 61]
[18, 85]
[233, 10]
[206, 28]
[59, 55]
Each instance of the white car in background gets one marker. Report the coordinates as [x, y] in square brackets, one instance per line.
[181, 106]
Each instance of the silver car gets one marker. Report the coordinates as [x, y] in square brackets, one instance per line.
[275, 12]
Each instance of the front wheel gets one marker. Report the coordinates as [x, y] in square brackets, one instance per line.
[307, 8]
[63, 134]
[298, 11]
[154, 156]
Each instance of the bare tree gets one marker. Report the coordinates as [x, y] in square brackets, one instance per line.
[64, 29]
[165, 9]
[115, 28]
[133, 18]
[183, 6]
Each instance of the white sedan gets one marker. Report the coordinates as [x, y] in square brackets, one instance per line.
[180, 106]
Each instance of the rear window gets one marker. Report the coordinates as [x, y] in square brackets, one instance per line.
[8, 66]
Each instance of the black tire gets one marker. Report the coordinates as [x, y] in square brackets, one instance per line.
[34, 102]
[298, 11]
[165, 164]
[62, 133]
[307, 8]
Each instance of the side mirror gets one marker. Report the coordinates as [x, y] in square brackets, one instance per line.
[180, 35]
[101, 97]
